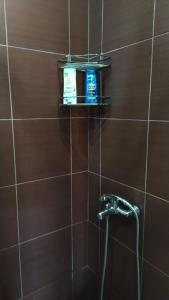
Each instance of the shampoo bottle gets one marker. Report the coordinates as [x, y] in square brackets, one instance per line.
[91, 86]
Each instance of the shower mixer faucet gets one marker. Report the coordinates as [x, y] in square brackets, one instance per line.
[115, 205]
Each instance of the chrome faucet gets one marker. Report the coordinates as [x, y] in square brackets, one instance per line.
[114, 206]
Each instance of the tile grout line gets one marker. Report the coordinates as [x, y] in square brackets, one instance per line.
[42, 179]
[102, 24]
[14, 154]
[106, 52]
[147, 139]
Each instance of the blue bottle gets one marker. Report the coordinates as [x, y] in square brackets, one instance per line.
[91, 86]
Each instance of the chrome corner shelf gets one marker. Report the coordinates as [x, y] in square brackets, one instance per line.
[103, 101]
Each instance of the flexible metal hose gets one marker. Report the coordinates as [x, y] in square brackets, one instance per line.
[137, 251]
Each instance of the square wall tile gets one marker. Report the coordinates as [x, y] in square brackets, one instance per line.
[79, 196]
[8, 217]
[6, 154]
[79, 26]
[5, 111]
[126, 26]
[44, 206]
[38, 24]
[121, 276]
[162, 16]
[95, 26]
[156, 241]
[45, 260]
[127, 82]
[155, 284]
[2, 23]
[85, 285]
[9, 274]
[93, 247]
[35, 84]
[124, 229]
[94, 193]
[79, 145]
[158, 160]
[160, 89]
[42, 148]
[80, 236]
[61, 289]
[124, 151]
[94, 145]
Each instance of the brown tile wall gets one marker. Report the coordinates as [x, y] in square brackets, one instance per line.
[43, 154]
[129, 145]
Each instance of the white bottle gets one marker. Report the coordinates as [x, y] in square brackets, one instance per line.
[70, 90]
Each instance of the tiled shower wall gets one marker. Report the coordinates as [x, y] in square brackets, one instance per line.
[129, 144]
[43, 154]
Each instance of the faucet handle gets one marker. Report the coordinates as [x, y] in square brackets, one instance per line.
[105, 198]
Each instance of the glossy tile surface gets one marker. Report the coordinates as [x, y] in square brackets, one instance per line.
[93, 247]
[4, 86]
[79, 145]
[160, 89]
[9, 275]
[122, 143]
[126, 26]
[79, 196]
[35, 84]
[42, 148]
[44, 206]
[162, 17]
[6, 152]
[156, 233]
[127, 83]
[94, 193]
[80, 246]
[2, 23]
[158, 170]
[44, 25]
[79, 26]
[8, 217]
[45, 260]
[94, 145]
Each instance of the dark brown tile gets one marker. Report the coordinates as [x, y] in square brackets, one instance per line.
[121, 276]
[85, 285]
[9, 275]
[93, 247]
[94, 145]
[122, 228]
[43, 26]
[127, 82]
[4, 86]
[95, 26]
[123, 142]
[61, 289]
[42, 148]
[156, 241]
[6, 153]
[94, 193]
[8, 217]
[160, 89]
[126, 26]
[162, 16]
[158, 167]
[2, 23]
[79, 246]
[79, 26]
[79, 145]
[45, 260]
[35, 84]
[44, 206]
[155, 284]
[79, 197]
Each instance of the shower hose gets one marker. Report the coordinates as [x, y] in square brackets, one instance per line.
[137, 252]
